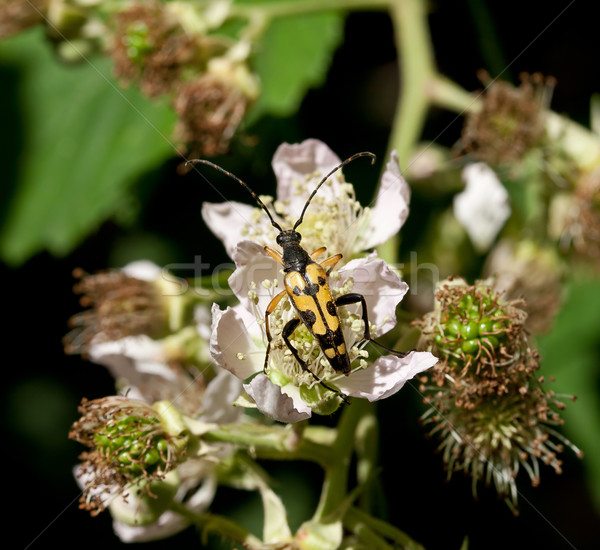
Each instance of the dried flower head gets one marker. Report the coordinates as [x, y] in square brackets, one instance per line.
[211, 107]
[485, 401]
[510, 121]
[18, 15]
[575, 218]
[151, 46]
[524, 269]
[128, 444]
[119, 305]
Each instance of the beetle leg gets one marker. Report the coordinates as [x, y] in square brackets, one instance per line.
[270, 309]
[330, 262]
[274, 254]
[318, 252]
[354, 298]
[289, 328]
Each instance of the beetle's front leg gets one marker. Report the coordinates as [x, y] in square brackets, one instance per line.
[270, 309]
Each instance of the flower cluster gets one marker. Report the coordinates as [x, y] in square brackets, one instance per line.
[486, 402]
[282, 388]
[144, 455]
[169, 49]
[523, 183]
[178, 428]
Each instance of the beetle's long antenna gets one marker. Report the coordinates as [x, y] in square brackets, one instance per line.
[341, 165]
[242, 183]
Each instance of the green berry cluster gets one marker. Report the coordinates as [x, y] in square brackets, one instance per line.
[474, 325]
[135, 445]
[137, 42]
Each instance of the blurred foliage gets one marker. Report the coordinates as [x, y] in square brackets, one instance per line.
[83, 146]
[294, 55]
[75, 144]
[571, 354]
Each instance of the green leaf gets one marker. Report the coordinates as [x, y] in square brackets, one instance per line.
[293, 56]
[85, 141]
[571, 354]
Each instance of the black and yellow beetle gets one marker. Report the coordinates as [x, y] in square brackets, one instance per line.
[306, 285]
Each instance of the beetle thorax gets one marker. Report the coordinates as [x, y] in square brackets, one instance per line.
[295, 258]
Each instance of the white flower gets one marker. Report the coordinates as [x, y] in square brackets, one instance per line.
[483, 207]
[334, 218]
[286, 392]
[281, 388]
[195, 491]
[146, 369]
[194, 483]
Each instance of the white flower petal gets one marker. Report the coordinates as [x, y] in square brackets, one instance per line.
[229, 338]
[282, 404]
[294, 163]
[483, 207]
[168, 524]
[386, 375]
[254, 266]
[391, 207]
[100, 493]
[217, 403]
[381, 287]
[132, 357]
[144, 270]
[227, 220]
[141, 368]
[203, 320]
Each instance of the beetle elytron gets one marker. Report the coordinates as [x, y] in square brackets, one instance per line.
[307, 287]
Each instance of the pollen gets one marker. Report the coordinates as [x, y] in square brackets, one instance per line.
[253, 297]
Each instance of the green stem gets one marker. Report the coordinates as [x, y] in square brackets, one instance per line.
[367, 536]
[367, 438]
[355, 516]
[270, 442]
[299, 7]
[219, 524]
[417, 70]
[447, 94]
[335, 485]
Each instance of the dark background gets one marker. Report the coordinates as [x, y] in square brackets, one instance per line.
[352, 112]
